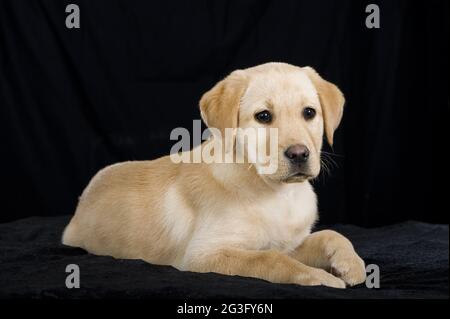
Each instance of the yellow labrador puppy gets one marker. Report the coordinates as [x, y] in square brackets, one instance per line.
[227, 217]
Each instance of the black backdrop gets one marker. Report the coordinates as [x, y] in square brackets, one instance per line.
[75, 100]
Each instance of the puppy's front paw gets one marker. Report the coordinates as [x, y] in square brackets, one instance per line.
[319, 277]
[347, 265]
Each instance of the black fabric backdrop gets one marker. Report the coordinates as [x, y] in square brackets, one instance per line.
[75, 100]
[412, 258]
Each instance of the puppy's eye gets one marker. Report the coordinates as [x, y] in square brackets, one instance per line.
[309, 113]
[263, 117]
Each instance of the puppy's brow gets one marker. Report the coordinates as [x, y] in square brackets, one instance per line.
[269, 104]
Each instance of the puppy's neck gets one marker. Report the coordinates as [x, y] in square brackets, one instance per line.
[236, 176]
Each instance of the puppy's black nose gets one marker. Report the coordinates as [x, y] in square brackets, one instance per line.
[297, 153]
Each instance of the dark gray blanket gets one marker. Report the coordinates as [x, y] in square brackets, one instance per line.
[412, 256]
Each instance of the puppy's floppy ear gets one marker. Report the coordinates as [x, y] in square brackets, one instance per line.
[332, 101]
[219, 106]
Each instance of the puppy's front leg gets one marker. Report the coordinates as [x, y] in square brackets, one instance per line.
[331, 251]
[269, 265]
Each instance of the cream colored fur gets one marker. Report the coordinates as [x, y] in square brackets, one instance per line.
[226, 218]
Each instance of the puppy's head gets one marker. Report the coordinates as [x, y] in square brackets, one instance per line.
[296, 101]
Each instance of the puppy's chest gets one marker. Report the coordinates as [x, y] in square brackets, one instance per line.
[283, 224]
[278, 222]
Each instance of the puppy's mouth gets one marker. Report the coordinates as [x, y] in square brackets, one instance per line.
[297, 177]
